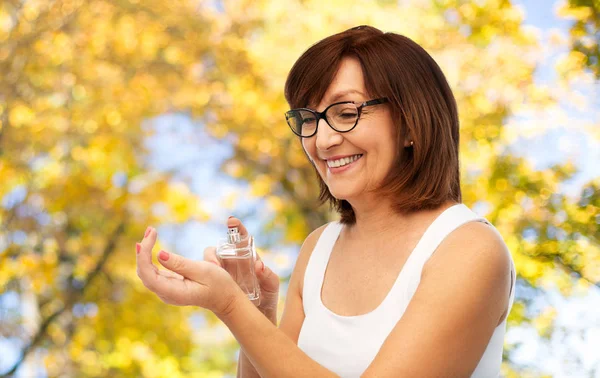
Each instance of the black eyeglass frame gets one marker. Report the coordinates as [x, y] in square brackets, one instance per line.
[322, 115]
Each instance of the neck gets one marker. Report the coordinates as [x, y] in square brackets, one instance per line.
[376, 218]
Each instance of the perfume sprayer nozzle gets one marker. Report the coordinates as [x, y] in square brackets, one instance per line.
[233, 235]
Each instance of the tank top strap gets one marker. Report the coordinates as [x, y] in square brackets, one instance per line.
[317, 263]
[451, 219]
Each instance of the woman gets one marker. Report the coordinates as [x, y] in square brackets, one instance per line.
[368, 296]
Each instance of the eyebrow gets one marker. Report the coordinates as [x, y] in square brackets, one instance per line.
[341, 94]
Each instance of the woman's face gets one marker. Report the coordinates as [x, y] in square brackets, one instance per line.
[367, 152]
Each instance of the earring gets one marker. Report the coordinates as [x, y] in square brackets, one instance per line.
[412, 142]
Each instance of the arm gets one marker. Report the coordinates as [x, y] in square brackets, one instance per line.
[245, 368]
[188, 282]
[462, 297]
[463, 292]
[293, 313]
[269, 349]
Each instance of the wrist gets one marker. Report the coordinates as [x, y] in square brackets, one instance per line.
[232, 307]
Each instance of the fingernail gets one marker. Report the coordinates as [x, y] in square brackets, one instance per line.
[163, 255]
[137, 247]
[147, 231]
[231, 216]
[262, 269]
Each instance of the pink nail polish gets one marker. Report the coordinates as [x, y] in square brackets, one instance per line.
[164, 256]
[147, 232]
[138, 246]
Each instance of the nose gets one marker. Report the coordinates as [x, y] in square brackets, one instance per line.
[327, 137]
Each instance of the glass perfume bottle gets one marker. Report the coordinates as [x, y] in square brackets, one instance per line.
[238, 257]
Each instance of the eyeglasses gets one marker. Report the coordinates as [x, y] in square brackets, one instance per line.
[341, 116]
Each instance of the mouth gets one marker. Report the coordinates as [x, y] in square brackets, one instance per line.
[338, 165]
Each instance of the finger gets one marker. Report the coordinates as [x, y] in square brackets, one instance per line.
[173, 290]
[166, 284]
[169, 274]
[210, 255]
[257, 256]
[243, 232]
[267, 279]
[234, 222]
[194, 270]
[145, 269]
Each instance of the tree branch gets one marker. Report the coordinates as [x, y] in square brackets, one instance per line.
[570, 267]
[41, 333]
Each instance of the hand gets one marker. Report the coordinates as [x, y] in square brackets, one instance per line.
[186, 282]
[267, 279]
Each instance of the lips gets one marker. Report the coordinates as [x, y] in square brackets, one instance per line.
[338, 162]
[342, 166]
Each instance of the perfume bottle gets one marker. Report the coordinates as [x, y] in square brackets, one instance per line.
[238, 256]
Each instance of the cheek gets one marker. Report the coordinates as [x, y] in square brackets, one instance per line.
[391, 137]
[309, 149]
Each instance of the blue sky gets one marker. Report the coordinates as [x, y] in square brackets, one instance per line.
[562, 140]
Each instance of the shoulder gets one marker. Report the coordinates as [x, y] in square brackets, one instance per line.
[473, 242]
[293, 313]
[311, 240]
[458, 304]
[476, 252]
[306, 251]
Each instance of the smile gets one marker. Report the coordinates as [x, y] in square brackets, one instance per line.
[343, 161]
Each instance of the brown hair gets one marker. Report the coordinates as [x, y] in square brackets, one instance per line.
[426, 174]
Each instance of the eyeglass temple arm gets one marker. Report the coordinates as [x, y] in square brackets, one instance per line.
[374, 102]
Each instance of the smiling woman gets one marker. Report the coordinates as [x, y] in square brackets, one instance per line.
[409, 282]
[421, 117]
[392, 172]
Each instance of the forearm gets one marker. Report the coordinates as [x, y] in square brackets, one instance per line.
[245, 368]
[269, 350]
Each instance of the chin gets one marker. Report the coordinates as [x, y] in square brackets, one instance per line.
[341, 194]
[339, 198]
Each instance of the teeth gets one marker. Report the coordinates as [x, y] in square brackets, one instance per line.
[343, 161]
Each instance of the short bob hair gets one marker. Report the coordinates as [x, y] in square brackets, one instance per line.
[425, 174]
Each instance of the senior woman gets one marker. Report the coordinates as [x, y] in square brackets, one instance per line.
[409, 282]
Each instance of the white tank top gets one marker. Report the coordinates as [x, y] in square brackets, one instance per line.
[346, 345]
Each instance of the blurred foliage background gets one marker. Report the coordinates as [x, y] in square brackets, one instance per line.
[83, 85]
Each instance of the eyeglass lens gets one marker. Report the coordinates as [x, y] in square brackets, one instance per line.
[342, 117]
